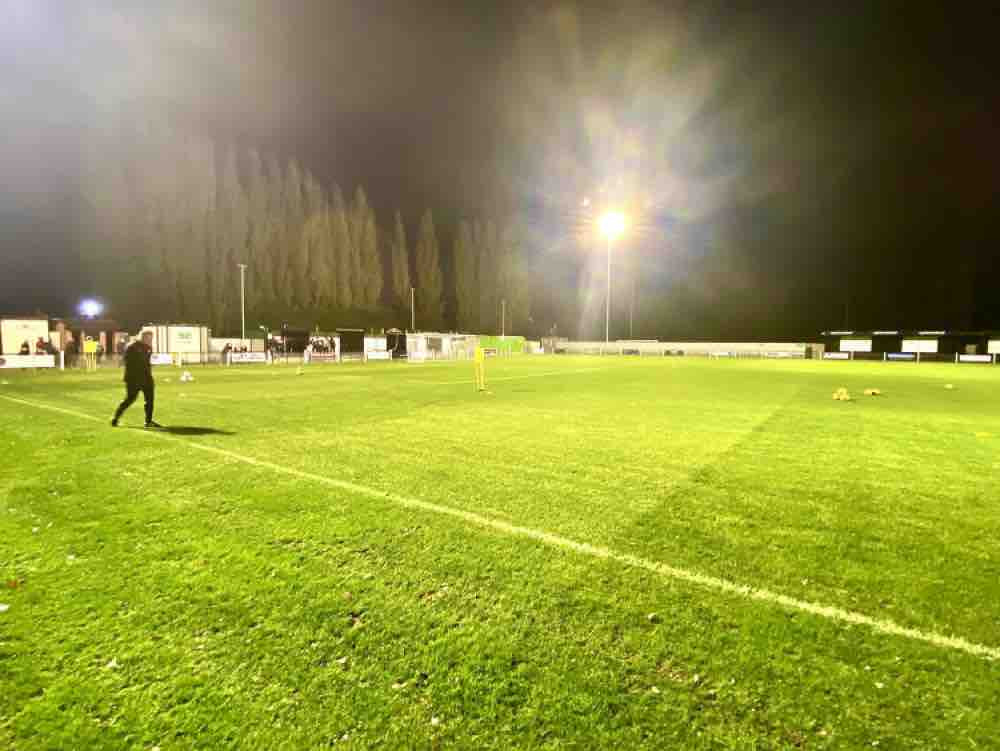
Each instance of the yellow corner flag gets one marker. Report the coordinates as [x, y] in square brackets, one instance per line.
[480, 369]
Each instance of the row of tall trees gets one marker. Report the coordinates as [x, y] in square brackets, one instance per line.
[490, 275]
[167, 219]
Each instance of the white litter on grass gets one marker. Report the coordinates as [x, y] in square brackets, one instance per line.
[112, 664]
[435, 721]
[665, 570]
[4, 607]
[949, 386]
[34, 530]
[186, 376]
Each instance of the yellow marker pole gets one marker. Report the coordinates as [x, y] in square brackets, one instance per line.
[90, 355]
[480, 369]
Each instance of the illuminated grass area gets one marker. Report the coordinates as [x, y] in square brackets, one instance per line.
[308, 585]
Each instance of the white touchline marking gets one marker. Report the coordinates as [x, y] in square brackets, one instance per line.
[595, 551]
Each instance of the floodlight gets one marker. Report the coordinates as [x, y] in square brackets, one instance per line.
[612, 224]
[90, 308]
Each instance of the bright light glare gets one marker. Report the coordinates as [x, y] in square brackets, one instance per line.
[90, 308]
[612, 224]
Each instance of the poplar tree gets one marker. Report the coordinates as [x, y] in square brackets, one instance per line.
[260, 228]
[400, 264]
[466, 278]
[428, 268]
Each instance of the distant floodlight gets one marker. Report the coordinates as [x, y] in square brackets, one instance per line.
[612, 224]
[90, 308]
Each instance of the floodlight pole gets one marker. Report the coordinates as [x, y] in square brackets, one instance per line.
[413, 313]
[243, 302]
[503, 319]
[607, 300]
[631, 305]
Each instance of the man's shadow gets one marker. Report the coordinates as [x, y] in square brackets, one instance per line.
[189, 430]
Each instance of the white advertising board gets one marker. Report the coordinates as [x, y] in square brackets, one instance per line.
[836, 355]
[15, 331]
[184, 338]
[324, 357]
[416, 348]
[179, 339]
[993, 347]
[161, 358]
[855, 345]
[975, 358]
[247, 357]
[27, 361]
[920, 345]
[377, 348]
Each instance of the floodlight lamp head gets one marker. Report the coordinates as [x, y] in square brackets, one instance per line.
[90, 308]
[612, 224]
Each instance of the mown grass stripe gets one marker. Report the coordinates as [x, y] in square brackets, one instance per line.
[672, 572]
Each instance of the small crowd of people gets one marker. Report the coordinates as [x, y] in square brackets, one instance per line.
[42, 347]
[229, 348]
[321, 344]
[71, 349]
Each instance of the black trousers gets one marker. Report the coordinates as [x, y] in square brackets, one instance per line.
[131, 394]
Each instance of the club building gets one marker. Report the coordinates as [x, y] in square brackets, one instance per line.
[913, 346]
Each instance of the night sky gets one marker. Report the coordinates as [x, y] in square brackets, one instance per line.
[787, 168]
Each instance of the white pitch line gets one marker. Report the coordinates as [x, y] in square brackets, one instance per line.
[595, 551]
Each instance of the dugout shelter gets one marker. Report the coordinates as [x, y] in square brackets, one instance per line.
[923, 345]
[352, 343]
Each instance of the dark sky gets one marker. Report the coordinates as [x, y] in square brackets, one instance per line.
[787, 166]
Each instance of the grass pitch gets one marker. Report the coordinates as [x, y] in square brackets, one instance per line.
[600, 553]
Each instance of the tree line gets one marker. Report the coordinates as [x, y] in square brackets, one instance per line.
[166, 218]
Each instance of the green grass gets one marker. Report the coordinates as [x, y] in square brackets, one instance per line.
[164, 595]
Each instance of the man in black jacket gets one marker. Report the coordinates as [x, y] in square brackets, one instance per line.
[138, 377]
